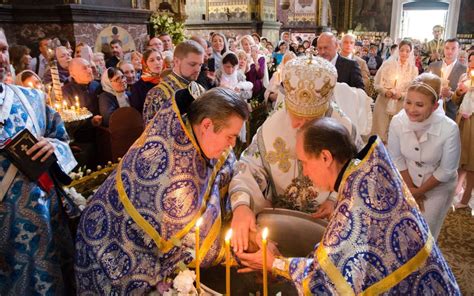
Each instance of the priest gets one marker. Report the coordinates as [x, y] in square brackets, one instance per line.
[268, 173]
[138, 229]
[377, 241]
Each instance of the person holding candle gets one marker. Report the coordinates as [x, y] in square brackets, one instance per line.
[433, 49]
[376, 242]
[450, 70]
[425, 147]
[28, 78]
[391, 83]
[139, 227]
[464, 98]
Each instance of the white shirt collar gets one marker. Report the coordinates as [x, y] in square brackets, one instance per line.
[333, 61]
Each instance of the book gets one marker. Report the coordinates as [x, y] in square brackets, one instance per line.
[16, 149]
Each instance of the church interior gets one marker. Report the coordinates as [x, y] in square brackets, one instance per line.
[245, 147]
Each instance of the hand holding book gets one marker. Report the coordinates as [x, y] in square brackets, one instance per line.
[42, 149]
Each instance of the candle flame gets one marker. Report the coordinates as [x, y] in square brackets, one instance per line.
[472, 73]
[199, 222]
[30, 84]
[265, 233]
[228, 235]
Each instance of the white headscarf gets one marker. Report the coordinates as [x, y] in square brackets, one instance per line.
[122, 97]
[229, 81]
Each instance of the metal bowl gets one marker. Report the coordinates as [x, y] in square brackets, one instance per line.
[296, 234]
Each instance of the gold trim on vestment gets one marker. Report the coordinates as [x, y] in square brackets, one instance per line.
[391, 280]
[166, 245]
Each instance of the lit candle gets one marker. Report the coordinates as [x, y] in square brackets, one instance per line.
[264, 252]
[198, 259]
[77, 102]
[64, 105]
[228, 236]
[472, 78]
[57, 106]
[30, 84]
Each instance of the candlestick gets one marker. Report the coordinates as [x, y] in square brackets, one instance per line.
[198, 259]
[264, 252]
[228, 236]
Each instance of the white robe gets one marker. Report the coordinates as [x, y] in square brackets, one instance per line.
[268, 172]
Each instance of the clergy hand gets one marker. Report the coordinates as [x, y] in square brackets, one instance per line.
[462, 88]
[43, 149]
[254, 261]
[243, 221]
[325, 210]
[97, 120]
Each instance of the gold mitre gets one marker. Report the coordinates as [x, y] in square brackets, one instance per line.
[309, 86]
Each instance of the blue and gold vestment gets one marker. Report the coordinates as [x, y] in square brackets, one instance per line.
[139, 226]
[377, 242]
[36, 246]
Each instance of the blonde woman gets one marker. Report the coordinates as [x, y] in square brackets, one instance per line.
[258, 72]
[391, 82]
[425, 146]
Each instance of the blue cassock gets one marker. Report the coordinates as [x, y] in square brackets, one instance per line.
[36, 247]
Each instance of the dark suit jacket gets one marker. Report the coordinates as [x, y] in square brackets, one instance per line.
[348, 71]
[458, 69]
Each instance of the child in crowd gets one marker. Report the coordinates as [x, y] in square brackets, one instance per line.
[228, 75]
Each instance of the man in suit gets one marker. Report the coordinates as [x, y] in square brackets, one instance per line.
[347, 51]
[348, 71]
[449, 69]
[117, 51]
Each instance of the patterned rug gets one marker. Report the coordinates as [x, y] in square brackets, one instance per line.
[456, 241]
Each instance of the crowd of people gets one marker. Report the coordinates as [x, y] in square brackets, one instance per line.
[409, 160]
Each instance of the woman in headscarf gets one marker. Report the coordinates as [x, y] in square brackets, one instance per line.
[114, 96]
[391, 83]
[152, 65]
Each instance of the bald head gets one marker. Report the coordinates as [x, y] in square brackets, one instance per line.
[81, 71]
[327, 46]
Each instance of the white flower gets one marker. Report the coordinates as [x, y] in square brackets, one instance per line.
[184, 282]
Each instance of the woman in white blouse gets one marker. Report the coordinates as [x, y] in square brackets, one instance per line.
[425, 147]
[391, 83]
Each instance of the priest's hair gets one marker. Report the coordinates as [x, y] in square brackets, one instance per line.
[217, 104]
[328, 134]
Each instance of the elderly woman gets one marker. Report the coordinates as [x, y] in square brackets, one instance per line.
[28, 78]
[425, 146]
[63, 56]
[152, 65]
[376, 228]
[391, 83]
[114, 96]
